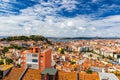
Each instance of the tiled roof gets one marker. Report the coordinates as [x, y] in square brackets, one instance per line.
[5, 67]
[66, 75]
[86, 76]
[32, 74]
[82, 76]
[14, 74]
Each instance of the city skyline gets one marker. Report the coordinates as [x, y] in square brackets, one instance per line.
[60, 18]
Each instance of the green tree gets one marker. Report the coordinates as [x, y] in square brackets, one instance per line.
[89, 71]
[1, 62]
[16, 47]
[103, 56]
[9, 38]
[27, 38]
[8, 61]
[91, 55]
[62, 51]
[5, 49]
[18, 65]
[109, 57]
[73, 62]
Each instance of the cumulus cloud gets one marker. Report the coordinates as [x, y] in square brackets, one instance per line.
[43, 19]
[59, 26]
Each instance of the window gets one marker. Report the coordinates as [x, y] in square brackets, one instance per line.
[41, 56]
[31, 48]
[28, 60]
[28, 55]
[29, 65]
[37, 50]
[34, 55]
[35, 66]
[34, 60]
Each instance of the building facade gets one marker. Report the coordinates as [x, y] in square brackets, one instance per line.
[36, 58]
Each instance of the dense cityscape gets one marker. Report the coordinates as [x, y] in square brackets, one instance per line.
[59, 39]
[38, 58]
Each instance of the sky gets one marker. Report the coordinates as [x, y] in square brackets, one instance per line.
[60, 18]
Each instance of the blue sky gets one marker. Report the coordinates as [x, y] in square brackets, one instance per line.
[60, 18]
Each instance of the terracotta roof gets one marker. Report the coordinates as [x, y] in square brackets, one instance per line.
[82, 76]
[118, 77]
[32, 74]
[14, 74]
[66, 75]
[86, 76]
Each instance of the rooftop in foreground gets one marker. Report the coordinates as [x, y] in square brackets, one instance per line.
[5, 67]
[31, 74]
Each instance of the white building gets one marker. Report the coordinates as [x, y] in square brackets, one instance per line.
[107, 76]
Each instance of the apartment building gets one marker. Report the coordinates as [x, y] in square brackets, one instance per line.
[36, 58]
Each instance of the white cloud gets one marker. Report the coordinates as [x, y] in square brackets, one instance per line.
[94, 0]
[6, 0]
[59, 26]
[70, 23]
[69, 5]
[44, 21]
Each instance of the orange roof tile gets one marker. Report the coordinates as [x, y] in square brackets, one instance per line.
[14, 74]
[85, 76]
[66, 75]
[32, 74]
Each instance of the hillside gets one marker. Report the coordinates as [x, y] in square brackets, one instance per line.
[26, 38]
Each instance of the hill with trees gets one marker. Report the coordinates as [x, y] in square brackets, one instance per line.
[26, 38]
